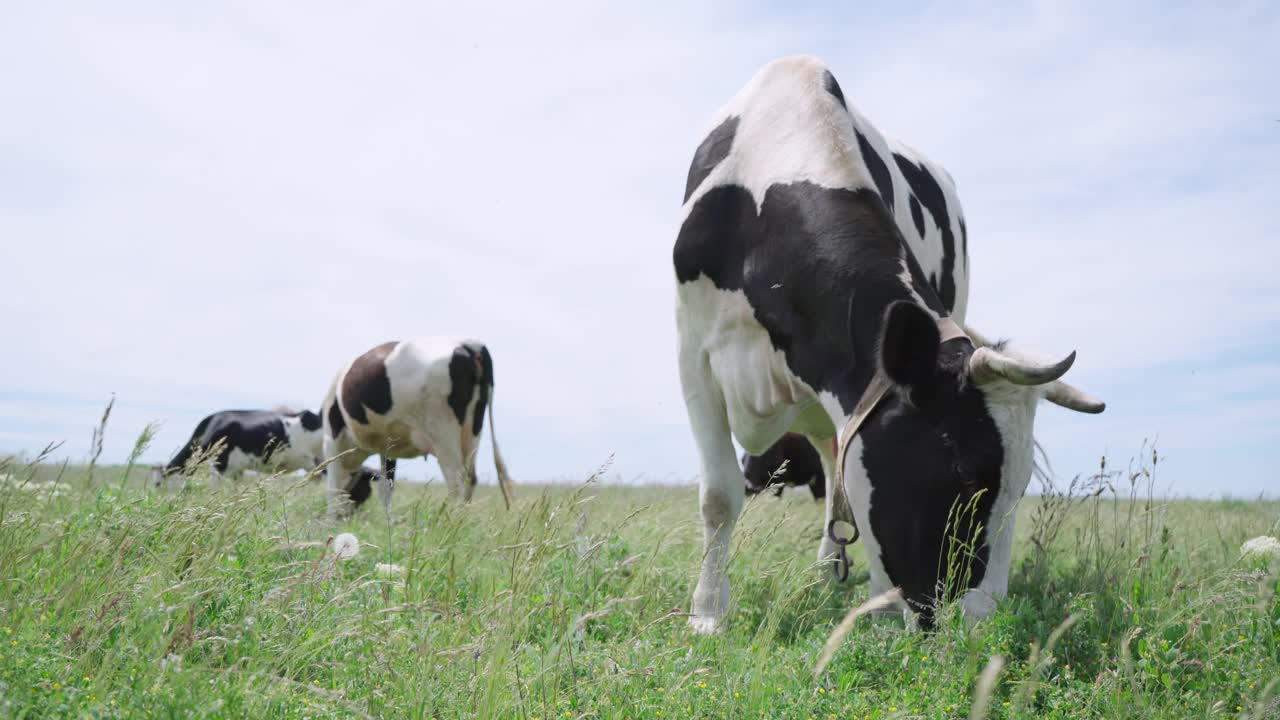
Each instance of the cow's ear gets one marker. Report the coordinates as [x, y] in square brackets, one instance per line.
[909, 346]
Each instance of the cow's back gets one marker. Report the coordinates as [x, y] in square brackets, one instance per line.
[791, 123]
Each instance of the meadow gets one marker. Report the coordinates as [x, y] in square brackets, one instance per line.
[236, 601]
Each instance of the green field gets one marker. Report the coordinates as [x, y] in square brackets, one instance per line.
[226, 602]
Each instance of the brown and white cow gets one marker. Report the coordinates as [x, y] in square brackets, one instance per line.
[413, 398]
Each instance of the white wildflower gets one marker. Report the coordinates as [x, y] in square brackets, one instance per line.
[1263, 545]
[389, 570]
[346, 546]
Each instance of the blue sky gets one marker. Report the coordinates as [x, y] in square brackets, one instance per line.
[210, 207]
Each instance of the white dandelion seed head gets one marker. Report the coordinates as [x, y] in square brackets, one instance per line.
[346, 546]
[1263, 545]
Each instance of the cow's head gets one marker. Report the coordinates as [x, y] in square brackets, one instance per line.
[306, 433]
[940, 466]
[756, 473]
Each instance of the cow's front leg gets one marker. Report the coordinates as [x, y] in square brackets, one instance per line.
[980, 602]
[720, 492]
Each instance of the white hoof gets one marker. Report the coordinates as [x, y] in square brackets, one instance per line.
[704, 624]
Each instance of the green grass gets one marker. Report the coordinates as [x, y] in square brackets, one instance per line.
[225, 602]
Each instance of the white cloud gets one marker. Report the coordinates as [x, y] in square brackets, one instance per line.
[215, 207]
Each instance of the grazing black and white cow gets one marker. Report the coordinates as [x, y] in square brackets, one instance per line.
[278, 440]
[822, 274]
[409, 399]
[790, 462]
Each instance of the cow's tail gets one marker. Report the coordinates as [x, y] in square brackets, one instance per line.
[504, 478]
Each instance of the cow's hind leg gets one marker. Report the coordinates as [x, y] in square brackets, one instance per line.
[455, 475]
[444, 434]
[387, 483]
[720, 492]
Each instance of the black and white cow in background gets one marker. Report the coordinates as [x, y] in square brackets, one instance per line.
[790, 462]
[817, 259]
[278, 440]
[408, 399]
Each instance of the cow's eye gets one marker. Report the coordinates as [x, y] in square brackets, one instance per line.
[961, 475]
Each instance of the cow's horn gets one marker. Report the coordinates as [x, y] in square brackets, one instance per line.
[1073, 398]
[986, 365]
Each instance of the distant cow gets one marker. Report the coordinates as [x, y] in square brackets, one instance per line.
[242, 440]
[799, 463]
[409, 399]
[822, 277]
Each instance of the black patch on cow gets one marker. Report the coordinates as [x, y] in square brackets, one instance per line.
[366, 385]
[798, 261]
[917, 215]
[203, 426]
[833, 87]
[361, 486]
[194, 443]
[714, 148]
[925, 187]
[389, 468]
[464, 367]
[258, 433]
[879, 170]
[485, 386]
[310, 421]
[964, 242]
[336, 421]
[803, 467]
